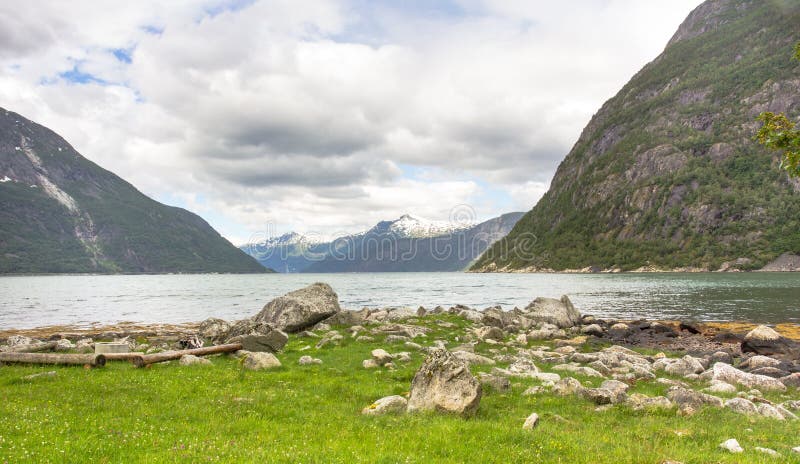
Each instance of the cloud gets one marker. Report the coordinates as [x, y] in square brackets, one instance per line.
[304, 113]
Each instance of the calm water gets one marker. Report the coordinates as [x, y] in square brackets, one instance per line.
[86, 300]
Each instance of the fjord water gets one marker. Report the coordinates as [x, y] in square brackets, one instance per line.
[34, 301]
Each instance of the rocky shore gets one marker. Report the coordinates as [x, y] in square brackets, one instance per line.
[549, 341]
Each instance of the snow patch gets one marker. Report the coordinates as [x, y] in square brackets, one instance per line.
[408, 226]
[6, 179]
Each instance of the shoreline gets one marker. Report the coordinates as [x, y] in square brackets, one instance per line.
[709, 329]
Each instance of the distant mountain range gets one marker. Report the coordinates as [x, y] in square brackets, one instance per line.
[407, 244]
[667, 174]
[61, 213]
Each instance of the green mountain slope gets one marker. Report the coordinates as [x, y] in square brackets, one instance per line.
[61, 213]
[667, 173]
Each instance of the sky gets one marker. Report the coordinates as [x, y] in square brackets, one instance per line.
[326, 116]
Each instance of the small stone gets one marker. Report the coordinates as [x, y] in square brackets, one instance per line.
[769, 451]
[369, 364]
[394, 404]
[592, 329]
[796, 449]
[531, 422]
[381, 356]
[731, 445]
[308, 360]
[532, 391]
[192, 360]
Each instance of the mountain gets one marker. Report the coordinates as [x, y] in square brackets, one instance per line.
[667, 173]
[61, 213]
[407, 244]
[408, 226]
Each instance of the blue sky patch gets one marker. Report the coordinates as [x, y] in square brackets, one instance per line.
[76, 76]
[123, 55]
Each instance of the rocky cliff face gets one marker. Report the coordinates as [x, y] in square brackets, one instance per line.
[59, 212]
[667, 173]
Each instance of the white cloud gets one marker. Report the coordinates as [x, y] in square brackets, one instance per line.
[300, 113]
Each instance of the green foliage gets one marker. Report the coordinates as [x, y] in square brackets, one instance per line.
[778, 133]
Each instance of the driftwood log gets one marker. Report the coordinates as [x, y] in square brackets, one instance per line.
[92, 360]
[147, 359]
[33, 347]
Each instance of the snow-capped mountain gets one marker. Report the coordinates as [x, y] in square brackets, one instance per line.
[290, 238]
[293, 252]
[408, 226]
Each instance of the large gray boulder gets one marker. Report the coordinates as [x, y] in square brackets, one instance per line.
[766, 341]
[256, 336]
[214, 330]
[300, 309]
[558, 312]
[444, 384]
[733, 376]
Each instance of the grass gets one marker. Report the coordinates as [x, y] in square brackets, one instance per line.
[310, 414]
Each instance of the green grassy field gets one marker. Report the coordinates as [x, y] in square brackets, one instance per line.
[310, 414]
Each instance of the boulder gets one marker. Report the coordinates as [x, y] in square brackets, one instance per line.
[690, 401]
[394, 404]
[592, 329]
[490, 333]
[765, 341]
[473, 359]
[64, 345]
[272, 342]
[718, 386]
[568, 386]
[381, 357]
[558, 312]
[610, 392]
[791, 380]
[496, 317]
[444, 383]
[191, 360]
[759, 361]
[770, 411]
[639, 402]
[348, 318]
[261, 361]
[733, 376]
[687, 365]
[741, 406]
[214, 330]
[262, 336]
[84, 345]
[300, 309]
[497, 383]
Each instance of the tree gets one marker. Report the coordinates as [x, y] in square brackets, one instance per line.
[779, 133]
